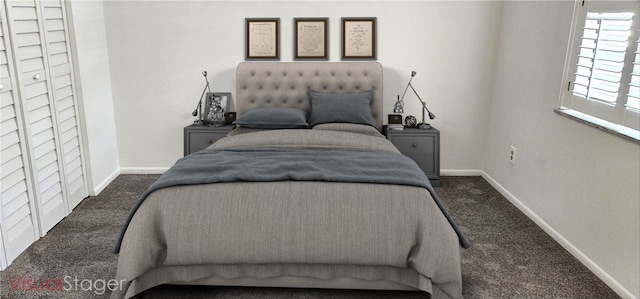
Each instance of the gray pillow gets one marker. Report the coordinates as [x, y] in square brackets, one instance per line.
[341, 108]
[273, 118]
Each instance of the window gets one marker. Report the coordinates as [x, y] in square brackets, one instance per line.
[603, 67]
[633, 100]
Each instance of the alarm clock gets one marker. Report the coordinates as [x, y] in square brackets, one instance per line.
[229, 117]
[395, 119]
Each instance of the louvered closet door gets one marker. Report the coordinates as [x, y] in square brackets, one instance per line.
[44, 131]
[3, 259]
[57, 42]
[18, 220]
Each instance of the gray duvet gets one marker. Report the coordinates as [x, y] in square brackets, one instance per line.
[324, 226]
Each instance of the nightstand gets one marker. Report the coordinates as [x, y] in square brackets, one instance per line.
[199, 137]
[422, 146]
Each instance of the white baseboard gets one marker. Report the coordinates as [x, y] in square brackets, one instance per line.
[143, 170]
[100, 187]
[584, 259]
[460, 172]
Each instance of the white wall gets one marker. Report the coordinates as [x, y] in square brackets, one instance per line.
[579, 181]
[157, 51]
[91, 63]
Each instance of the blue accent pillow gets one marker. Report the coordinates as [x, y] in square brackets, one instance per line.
[341, 108]
[273, 118]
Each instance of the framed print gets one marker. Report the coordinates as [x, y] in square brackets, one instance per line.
[311, 38]
[263, 38]
[215, 106]
[358, 38]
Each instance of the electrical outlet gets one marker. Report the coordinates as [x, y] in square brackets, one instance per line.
[512, 155]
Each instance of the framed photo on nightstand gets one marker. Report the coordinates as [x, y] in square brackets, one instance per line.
[215, 106]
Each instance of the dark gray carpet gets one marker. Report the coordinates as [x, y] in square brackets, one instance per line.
[511, 257]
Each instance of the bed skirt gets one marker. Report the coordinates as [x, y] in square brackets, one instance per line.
[287, 275]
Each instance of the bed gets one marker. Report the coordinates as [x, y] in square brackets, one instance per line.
[305, 192]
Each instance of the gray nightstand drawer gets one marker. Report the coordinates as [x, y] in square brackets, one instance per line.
[200, 140]
[197, 138]
[415, 144]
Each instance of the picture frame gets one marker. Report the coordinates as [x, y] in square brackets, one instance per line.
[263, 38]
[358, 38]
[215, 106]
[311, 38]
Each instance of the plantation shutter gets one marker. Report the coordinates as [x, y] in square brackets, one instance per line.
[602, 55]
[633, 98]
[18, 220]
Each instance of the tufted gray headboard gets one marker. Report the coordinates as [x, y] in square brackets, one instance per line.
[286, 84]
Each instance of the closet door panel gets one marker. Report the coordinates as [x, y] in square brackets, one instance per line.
[3, 259]
[59, 62]
[39, 111]
[18, 221]
[42, 174]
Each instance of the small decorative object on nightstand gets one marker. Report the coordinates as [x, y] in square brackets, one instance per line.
[229, 118]
[410, 121]
[422, 146]
[199, 137]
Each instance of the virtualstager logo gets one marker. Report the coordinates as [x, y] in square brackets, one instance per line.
[64, 284]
